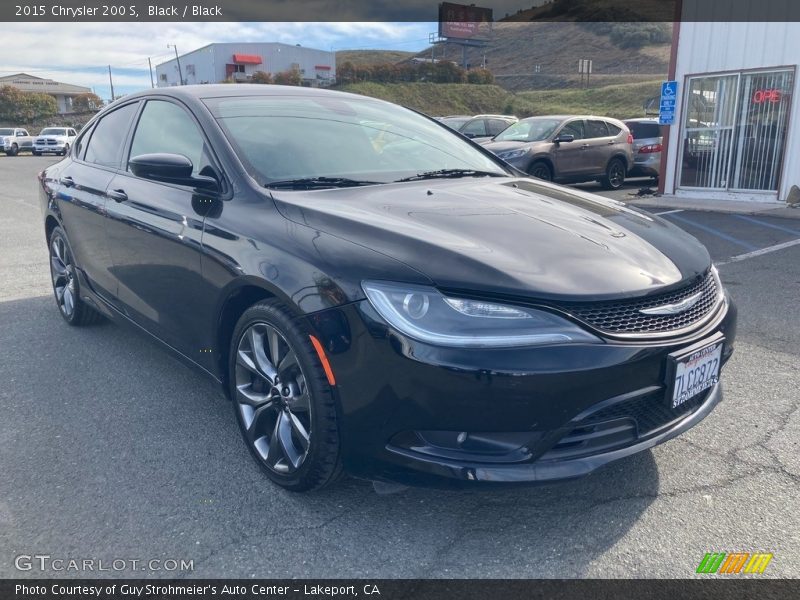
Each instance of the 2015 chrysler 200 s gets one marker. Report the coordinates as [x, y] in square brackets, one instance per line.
[376, 293]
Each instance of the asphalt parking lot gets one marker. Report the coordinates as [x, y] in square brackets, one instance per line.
[110, 449]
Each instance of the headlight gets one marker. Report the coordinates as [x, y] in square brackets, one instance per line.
[512, 153]
[422, 313]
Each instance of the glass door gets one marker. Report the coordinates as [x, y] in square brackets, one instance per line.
[708, 132]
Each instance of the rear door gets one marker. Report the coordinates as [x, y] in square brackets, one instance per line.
[156, 229]
[600, 146]
[82, 196]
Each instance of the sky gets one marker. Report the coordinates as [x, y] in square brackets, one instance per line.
[79, 53]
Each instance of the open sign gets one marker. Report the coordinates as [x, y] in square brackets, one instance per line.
[762, 96]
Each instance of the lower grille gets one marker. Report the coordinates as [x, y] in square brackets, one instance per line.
[625, 318]
[621, 424]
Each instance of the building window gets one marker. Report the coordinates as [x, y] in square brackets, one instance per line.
[734, 130]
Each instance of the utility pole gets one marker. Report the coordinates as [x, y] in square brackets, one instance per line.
[111, 81]
[178, 60]
[150, 64]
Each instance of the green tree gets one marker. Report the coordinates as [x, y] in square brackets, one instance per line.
[25, 107]
[261, 77]
[87, 102]
[480, 76]
[288, 78]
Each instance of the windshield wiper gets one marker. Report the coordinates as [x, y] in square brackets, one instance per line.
[309, 183]
[451, 173]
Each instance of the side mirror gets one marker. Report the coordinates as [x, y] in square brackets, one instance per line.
[170, 168]
[564, 137]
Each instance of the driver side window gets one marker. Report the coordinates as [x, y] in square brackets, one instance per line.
[165, 127]
[574, 128]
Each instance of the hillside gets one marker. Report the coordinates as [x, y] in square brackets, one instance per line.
[361, 58]
[544, 55]
[620, 101]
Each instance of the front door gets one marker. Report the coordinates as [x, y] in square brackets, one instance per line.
[155, 233]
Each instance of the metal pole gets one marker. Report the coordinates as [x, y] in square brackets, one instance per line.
[150, 64]
[111, 81]
[178, 60]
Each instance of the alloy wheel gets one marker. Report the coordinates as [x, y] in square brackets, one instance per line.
[272, 398]
[63, 274]
[616, 174]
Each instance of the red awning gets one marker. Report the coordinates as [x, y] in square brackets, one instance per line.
[247, 59]
[322, 67]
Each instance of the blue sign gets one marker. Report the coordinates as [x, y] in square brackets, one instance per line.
[669, 98]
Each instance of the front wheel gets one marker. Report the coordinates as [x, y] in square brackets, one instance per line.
[66, 150]
[541, 170]
[36, 153]
[13, 151]
[65, 283]
[282, 399]
[615, 174]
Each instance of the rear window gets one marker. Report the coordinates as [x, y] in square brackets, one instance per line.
[644, 130]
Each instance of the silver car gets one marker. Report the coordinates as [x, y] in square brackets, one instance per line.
[568, 148]
[647, 145]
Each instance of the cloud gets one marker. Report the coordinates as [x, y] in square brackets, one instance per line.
[79, 53]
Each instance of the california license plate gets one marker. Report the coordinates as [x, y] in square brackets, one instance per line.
[694, 371]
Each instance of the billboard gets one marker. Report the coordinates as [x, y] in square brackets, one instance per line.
[461, 21]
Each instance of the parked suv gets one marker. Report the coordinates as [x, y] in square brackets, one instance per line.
[55, 140]
[647, 140]
[568, 148]
[14, 140]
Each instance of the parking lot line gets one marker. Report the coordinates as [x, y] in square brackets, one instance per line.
[715, 232]
[759, 252]
[770, 225]
[669, 212]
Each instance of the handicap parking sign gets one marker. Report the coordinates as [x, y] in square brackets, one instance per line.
[669, 98]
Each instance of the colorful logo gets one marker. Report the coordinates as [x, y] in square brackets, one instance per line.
[734, 562]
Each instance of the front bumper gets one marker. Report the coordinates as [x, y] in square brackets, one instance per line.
[59, 148]
[529, 414]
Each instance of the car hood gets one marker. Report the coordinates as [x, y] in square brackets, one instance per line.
[509, 236]
[52, 137]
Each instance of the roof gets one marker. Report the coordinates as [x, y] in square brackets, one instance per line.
[232, 90]
[31, 83]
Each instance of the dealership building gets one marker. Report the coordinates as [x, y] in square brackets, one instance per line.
[62, 92]
[216, 63]
[736, 134]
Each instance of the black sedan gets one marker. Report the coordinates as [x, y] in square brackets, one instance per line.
[379, 295]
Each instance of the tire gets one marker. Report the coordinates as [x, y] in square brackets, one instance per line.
[66, 150]
[541, 170]
[65, 283]
[615, 174]
[284, 406]
[14, 150]
[35, 153]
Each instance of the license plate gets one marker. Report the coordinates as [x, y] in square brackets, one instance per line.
[694, 371]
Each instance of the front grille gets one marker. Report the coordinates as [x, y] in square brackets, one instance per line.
[621, 424]
[622, 317]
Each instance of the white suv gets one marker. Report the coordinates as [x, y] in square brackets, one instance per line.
[54, 139]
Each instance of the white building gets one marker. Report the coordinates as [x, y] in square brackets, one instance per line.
[217, 62]
[62, 92]
[737, 126]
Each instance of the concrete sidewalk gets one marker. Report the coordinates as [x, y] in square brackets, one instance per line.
[667, 202]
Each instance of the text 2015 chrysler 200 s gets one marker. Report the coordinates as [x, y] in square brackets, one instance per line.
[376, 293]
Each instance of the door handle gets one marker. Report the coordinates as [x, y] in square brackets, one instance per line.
[584, 146]
[118, 195]
[67, 181]
[610, 143]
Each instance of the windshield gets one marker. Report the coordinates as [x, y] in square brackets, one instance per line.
[529, 130]
[282, 138]
[6, 132]
[53, 131]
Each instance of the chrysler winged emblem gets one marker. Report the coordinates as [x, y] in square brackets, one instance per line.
[673, 309]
